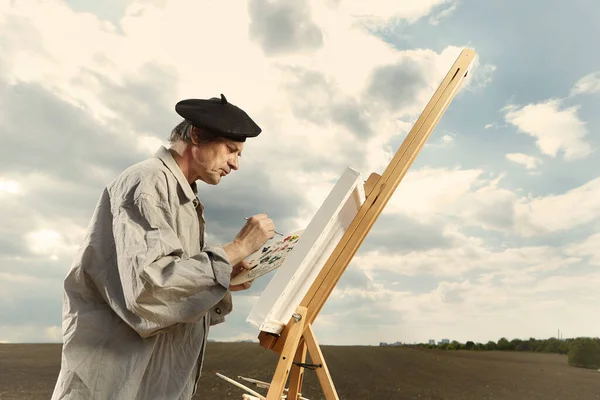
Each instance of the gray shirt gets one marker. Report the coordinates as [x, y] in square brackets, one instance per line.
[142, 291]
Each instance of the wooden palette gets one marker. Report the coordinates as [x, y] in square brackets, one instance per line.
[270, 257]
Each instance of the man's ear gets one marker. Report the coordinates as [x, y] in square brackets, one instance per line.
[194, 135]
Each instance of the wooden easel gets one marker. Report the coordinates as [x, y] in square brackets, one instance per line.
[298, 335]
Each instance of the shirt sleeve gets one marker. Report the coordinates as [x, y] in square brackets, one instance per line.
[160, 284]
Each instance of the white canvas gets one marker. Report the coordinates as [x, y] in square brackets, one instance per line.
[302, 265]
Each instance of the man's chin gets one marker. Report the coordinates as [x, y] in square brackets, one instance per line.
[211, 180]
[216, 180]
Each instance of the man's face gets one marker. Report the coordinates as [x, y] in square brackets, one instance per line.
[215, 159]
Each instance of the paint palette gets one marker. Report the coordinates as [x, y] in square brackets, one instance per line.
[267, 259]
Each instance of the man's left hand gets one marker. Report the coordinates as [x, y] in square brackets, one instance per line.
[239, 267]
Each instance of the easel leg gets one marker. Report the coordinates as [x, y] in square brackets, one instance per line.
[286, 358]
[317, 358]
[297, 374]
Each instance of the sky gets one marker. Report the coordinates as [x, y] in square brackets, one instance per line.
[494, 231]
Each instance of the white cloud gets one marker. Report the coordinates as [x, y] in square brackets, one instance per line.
[467, 309]
[19, 278]
[425, 192]
[530, 162]
[588, 84]
[47, 242]
[481, 294]
[467, 254]
[553, 213]
[554, 127]
[9, 186]
[238, 338]
[480, 200]
[151, 34]
[447, 139]
[479, 76]
[53, 333]
[590, 247]
[443, 14]
[23, 333]
[493, 207]
[405, 9]
[150, 143]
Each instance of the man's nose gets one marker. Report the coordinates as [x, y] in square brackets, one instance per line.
[234, 164]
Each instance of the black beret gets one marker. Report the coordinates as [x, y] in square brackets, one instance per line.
[218, 117]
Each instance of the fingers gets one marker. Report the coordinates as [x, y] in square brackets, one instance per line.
[256, 232]
[239, 267]
[242, 286]
[264, 223]
[262, 220]
[257, 217]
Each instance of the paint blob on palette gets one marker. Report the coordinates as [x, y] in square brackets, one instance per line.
[269, 258]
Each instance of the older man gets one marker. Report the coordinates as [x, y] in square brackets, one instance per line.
[144, 288]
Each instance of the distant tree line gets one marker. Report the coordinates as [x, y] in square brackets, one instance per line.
[582, 352]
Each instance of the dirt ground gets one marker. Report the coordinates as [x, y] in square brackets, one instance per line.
[28, 372]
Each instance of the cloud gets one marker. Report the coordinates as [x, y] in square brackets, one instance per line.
[497, 208]
[479, 77]
[402, 234]
[467, 254]
[477, 286]
[588, 84]
[554, 127]
[397, 85]
[553, 213]
[447, 139]
[320, 101]
[468, 308]
[529, 162]
[9, 186]
[480, 200]
[61, 138]
[143, 102]
[385, 10]
[589, 247]
[444, 13]
[28, 303]
[283, 27]
[239, 197]
[427, 192]
[20, 333]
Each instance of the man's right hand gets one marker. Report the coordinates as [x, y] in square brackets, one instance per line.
[258, 229]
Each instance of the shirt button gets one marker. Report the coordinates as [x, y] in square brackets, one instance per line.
[195, 203]
[218, 310]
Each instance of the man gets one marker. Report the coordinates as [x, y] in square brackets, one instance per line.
[144, 288]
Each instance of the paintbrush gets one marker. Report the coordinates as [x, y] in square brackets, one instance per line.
[280, 234]
[247, 389]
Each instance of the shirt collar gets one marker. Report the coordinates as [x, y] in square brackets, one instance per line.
[191, 191]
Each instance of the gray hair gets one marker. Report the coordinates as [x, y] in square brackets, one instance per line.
[183, 132]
